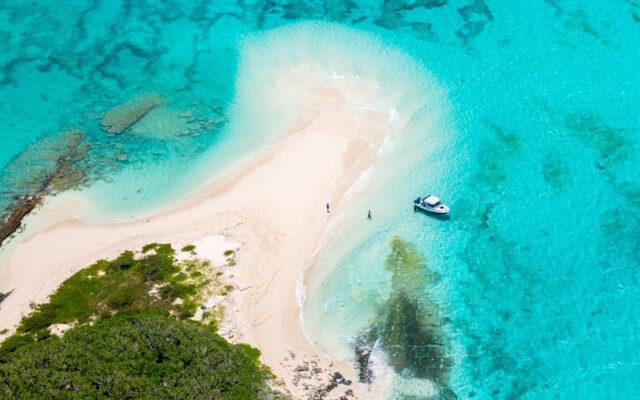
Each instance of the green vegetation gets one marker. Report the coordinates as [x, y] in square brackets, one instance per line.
[229, 254]
[141, 342]
[188, 248]
[136, 355]
[555, 171]
[410, 330]
[153, 282]
[227, 289]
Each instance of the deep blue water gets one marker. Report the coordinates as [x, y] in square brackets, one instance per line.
[536, 149]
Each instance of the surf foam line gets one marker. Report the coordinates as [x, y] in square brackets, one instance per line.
[371, 76]
[358, 64]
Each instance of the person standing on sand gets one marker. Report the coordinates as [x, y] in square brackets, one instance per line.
[369, 215]
[327, 208]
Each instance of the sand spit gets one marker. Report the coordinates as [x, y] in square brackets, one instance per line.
[274, 209]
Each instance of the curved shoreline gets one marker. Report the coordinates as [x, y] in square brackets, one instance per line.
[273, 207]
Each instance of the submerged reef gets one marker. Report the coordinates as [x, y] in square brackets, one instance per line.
[555, 171]
[13, 221]
[123, 116]
[65, 174]
[408, 326]
[48, 162]
[611, 143]
[57, 171]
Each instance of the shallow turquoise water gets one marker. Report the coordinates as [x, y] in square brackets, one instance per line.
[528, 127]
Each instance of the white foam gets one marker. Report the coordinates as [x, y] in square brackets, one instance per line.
[386, 147]
[360, 184]
[361, 66]
[282, 71]
[393, 115]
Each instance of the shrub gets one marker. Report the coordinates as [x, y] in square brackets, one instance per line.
[138, 355]
[13, 342]
[43, 317]
[140, 346]
[124, 286]
[150, 246]
[121, 298]
[124, 261]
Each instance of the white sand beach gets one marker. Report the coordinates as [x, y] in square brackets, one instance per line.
[274, 209]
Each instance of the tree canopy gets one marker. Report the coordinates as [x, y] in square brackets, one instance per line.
[133, 338]
[135, 355]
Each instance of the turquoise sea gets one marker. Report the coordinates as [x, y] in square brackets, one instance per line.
[523, 116]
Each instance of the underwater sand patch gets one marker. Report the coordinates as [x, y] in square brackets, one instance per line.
[123, 116]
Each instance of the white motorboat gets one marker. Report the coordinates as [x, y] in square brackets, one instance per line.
[431, 204]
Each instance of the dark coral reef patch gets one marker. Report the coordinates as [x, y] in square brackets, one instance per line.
[408, 326]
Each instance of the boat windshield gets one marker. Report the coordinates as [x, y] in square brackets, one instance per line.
[432, 201]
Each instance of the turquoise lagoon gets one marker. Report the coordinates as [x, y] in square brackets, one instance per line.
[523, 116]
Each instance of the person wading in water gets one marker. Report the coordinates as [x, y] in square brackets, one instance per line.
[369, 215]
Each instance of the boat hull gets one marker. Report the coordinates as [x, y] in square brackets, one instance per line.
[442, 211]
